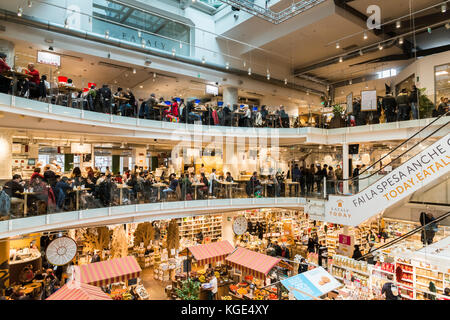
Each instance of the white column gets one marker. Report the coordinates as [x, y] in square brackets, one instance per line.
[345, 167]
[227, 227]
[5, 155]
[230, 95]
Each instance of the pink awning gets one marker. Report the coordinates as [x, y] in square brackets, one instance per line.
[109, 271]
[251, 262]
[73, 290]
[211, 252]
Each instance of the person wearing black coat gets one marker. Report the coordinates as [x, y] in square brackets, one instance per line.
[104, 94]
[303, 266]
[312, 244]
[264, 114]
[227, 115]
[389, 105]
[356, 252]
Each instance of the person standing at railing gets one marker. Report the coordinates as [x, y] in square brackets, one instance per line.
[355, 178]
[339, 178]
[389, 105]
[414, 99]
[5, 83]
[404, 107]
[310, 179]
[331, 181]
[296, 177]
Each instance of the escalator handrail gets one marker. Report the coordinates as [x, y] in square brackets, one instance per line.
[404, 152]
[401, 144]
[406, 235]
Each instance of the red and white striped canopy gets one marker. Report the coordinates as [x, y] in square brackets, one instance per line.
[109, 271]
[251, 262]
[211, 252]
[73, 290]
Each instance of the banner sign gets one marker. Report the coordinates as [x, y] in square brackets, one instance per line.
[315, 282]
[427, 166]
[369, 100]
[349, 103]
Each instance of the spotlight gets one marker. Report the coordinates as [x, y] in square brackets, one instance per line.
[203, 60]
[285, 82]
[361, 52]
[173, 52]
[444, 8]
[147, 62]
[66, 23]
[398, 24]
[107, 34]
[400, 41]
[380, 47]
[30, 4]
[249, 71]
[350, 81]
[341, 59]
[268, 76]
[181, 45]
[365, 36]
[227, 65]
[143, 43]
[19, 11]
[134, 71]
[337, 45]
[139, 34]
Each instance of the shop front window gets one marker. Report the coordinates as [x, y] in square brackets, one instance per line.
[441, 82]
[123, 22]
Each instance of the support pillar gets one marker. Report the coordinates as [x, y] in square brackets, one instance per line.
[345, 167]
[227, 227]
[5, 155]
[4, 265]
[230, 96]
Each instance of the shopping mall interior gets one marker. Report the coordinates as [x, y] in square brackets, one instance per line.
[224, 150]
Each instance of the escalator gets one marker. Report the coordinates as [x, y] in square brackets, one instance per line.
[423, 231]
[385, 187]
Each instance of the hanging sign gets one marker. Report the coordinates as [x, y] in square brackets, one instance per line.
[369, 100]
[427, 166]
[49, 58]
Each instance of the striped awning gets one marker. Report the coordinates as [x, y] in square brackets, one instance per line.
[251, 262]
[73, 290]
[211, 252]
[109, 271]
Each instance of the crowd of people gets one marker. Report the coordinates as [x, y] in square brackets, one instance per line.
[123, 102]
[48, 191]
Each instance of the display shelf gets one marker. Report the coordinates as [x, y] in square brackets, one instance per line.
[353, 270]
[383, 271]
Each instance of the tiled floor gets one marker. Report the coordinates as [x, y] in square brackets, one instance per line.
[155, 288]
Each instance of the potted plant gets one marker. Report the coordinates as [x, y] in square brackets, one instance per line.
[426, 106]
[337, 121]
[190, 290]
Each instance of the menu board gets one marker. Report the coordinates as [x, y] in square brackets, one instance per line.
[369, 100]
[313, 283]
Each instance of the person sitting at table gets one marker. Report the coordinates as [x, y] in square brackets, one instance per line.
[192, 116]
[131, 107]
[229, 178]
[36, 173]
[173, 183]
[13, 189]
[60, 190]
[31, 86]
[254, 185]
[273, 186]
[40, 194]
[203, 189]
[193, 178]
[172, 114]
[284, 118]
[5, 83]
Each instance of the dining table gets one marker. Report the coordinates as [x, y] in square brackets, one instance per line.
[15, 76]
[229, 186]
[121, 187]
[25, 198]
[161, 107]
[289, 183]
[77, 191]
[196, 185]
[159, 185]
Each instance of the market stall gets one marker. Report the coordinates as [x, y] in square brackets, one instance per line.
[107, 272]
[252, 263]
[211, 252]
[79, 291]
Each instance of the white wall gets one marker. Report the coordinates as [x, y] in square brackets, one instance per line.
[424, 69]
